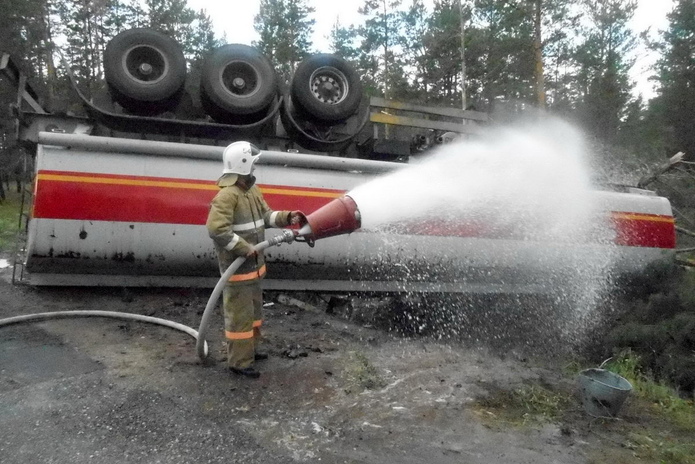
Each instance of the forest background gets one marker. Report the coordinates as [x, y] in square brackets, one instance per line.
[570, 58]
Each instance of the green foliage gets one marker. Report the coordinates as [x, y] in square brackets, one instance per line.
[343, 41]
[663, 345]
[439, 59]
[202, 39]
[380, 59]
[661, 450]
[505, 59]
[640, 136]
[662, 398]
[676, 76]
[627, 365]
[9, 218]
[659, 327]
[85, 27]
[602, 79]
[658, 425]
[285, 29]
[539, 403]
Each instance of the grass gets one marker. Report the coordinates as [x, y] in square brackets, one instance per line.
[659, 398]
[528, 404]
[661, 449]
[9, 217]
[361, 373]
[655, 426]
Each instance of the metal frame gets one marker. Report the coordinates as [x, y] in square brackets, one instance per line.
[22, 227]
[25, 93]
[468, 123]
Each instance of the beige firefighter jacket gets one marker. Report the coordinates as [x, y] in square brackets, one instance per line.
[236, 222]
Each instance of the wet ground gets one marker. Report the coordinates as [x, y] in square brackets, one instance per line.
[334, 391]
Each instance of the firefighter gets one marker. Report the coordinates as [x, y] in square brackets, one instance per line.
[236, 222]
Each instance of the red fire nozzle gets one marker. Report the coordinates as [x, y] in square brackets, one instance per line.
[338, 217]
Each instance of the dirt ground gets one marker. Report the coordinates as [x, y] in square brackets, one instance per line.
[333, 390]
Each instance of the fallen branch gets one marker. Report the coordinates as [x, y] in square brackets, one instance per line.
[685, 231]
[673, 161]
[685, 262]
[680, 216]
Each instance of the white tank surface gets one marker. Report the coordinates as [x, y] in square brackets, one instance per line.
[123, 212]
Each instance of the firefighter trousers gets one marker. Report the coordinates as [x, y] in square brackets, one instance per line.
[242, 304]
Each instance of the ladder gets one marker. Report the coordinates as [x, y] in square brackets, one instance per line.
[26, 200]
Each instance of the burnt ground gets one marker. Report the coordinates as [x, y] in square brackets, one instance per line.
[334, 390]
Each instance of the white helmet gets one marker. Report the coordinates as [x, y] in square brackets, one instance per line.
[239, 157]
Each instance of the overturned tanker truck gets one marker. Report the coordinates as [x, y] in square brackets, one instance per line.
[121, 193]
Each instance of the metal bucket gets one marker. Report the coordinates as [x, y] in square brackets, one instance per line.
[603, 392]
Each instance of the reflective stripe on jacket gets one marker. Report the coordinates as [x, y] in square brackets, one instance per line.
[236, 222]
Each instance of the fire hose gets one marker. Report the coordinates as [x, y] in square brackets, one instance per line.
[108, 314]
[201, 344]
[340, 216]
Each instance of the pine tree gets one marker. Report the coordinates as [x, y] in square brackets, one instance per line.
[379, 58]
[556, 37]
[676, 78]
[134, 14]
[86, 37]
[502, 54]
[415, 22]
[440, 60]
[202, 39]
[299, 27]
[285, 29]
[603, 82]
[342, 41]
[640, 135]
[173, 18]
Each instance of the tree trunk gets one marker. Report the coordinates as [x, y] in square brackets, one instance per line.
[48, 46]
[538, 54]
[463, 57]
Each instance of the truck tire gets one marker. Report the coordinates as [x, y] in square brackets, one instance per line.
[237, 81]
[144, 69]
[326, 87]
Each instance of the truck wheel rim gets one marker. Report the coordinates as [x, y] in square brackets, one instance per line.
[329, 85]
[240, 79]
[145, 64]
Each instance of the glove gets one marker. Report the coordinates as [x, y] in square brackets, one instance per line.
[244, 248]
[297, 218]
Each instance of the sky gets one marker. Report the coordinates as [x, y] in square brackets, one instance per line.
[235, 19]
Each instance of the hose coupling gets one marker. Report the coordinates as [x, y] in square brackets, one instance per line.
[286, 237]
